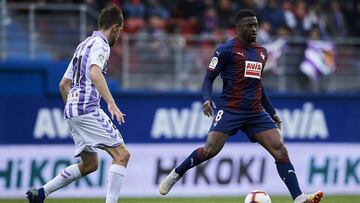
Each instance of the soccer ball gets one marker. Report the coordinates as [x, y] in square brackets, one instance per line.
[257, 196]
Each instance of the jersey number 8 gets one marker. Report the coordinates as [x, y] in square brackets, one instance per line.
[219, 115]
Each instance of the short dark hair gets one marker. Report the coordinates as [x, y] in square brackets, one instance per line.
[244, 13]
[110, 16]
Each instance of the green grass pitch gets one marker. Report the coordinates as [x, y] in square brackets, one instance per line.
[327, 199]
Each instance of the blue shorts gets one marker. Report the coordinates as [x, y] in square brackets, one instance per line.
[250, 123]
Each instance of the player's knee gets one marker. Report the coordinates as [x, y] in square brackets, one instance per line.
[93, 167]
[281, 154]
[87, 168]
[126, 156]
[122, 157]
[210, 151]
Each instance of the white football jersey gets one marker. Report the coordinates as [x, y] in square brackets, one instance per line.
[83, 97]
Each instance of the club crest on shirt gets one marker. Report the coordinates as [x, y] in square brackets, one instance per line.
[213, 62]
[101, 58]
[253, 69]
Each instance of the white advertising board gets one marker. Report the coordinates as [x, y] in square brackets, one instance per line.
[239, 168]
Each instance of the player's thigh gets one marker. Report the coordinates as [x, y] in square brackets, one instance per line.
[225, 123]
[103, 130]
[78, 138]
[120, 154]
[273, 142]
[259, 123]
[97, 130]
[215, 142]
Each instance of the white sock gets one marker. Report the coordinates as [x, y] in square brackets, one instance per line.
[66, 176]
[301, 198]
[115, 179]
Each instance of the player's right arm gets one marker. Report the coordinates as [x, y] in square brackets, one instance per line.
[65, 83]
[65, 86]
[209, 104]
[216, 65]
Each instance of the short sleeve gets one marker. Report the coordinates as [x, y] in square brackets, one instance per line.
[99, 54]
[218, 61]
[69, 73]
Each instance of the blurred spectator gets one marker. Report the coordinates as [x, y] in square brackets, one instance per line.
[188, 8]
[314, 33]
[317, 19]
[226, 12]
[155, 8]
[301, 17]
[264, 35]
[353, 17]
[336, 23]
[252, 4]
[134, 9]
[289, 14]
[208, 3]
[154, 30]
[282, 32]
[273, 13]
[209, 20]
[134, 14]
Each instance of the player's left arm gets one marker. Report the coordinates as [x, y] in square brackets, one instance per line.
[100, 83]
[270, 108]
[265, 101]
[98, 57]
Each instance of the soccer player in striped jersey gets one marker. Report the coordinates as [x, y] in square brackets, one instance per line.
[81, 88]
[243, 105]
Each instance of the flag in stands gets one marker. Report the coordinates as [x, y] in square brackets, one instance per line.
[319, 59]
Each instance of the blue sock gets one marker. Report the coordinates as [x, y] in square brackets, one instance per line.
[41, 193]
[287, 174]
[195, 158]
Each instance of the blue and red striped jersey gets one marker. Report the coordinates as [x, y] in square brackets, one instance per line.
[240, 68]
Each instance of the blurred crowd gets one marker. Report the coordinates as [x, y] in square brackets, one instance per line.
[212, 21]
[314, 18]
[277, 17]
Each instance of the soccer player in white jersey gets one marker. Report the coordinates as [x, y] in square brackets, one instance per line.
[81, 88]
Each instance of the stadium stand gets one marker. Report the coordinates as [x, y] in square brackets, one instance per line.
[175, 39]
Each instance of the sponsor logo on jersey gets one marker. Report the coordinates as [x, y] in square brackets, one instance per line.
[253, 69]
[240, 53]
[213, 63]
